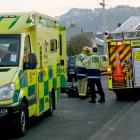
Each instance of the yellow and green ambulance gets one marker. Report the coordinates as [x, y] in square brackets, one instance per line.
[32, 66]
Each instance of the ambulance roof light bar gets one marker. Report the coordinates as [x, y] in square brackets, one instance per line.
[8, 16]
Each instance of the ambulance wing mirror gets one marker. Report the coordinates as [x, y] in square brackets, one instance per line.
[32, 61]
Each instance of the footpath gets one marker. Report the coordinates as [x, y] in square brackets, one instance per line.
[125, 127]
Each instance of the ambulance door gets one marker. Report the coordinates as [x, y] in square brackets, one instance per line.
[136, 66]
[44, 83]
[31, 77]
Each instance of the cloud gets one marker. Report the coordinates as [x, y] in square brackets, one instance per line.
[57, 7]
[51, 7]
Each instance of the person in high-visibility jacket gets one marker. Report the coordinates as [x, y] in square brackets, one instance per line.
[92, 63]
[81, 72]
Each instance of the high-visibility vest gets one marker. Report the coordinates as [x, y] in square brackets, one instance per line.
[93, 66]
[79, 60]
[92, 62]
[81, 69]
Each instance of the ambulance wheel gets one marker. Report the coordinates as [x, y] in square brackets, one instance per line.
[53, 99]
[52, 106]
[50, 111]
[22, 122]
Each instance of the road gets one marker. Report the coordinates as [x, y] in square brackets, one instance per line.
[76, 119]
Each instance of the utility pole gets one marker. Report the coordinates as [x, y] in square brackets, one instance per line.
[104, 15]
[104, 24]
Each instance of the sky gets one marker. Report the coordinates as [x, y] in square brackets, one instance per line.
[59, 7]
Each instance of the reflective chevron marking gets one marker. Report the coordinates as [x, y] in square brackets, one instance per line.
[125, 52]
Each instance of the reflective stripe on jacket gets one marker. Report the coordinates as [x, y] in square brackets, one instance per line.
[81, 72]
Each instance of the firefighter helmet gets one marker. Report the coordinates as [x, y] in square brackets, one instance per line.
[86, 49]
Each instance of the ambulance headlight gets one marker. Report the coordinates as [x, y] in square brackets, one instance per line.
[7, 92]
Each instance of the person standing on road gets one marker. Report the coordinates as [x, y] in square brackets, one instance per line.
[81, 72]
[92, 63]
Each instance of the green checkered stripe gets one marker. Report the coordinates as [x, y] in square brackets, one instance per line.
[48, 81]
[23, 84]
[63, 76]
[62, 72]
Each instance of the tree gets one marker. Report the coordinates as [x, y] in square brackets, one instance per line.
[76, 44]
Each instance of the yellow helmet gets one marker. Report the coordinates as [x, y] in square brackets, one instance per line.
[86, 49]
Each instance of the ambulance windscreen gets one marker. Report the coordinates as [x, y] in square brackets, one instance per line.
[9, 50]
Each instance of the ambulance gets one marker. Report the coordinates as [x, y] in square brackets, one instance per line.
[32, 67]
[123, 51]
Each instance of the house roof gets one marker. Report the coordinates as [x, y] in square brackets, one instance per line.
[132, 24]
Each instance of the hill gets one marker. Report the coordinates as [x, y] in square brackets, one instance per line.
[92, 20]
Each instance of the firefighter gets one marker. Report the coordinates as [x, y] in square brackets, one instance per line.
[81, 72]
[92, 63]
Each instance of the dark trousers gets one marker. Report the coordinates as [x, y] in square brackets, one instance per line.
[92, 82]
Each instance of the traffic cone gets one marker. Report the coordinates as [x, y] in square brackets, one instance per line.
[118, 75]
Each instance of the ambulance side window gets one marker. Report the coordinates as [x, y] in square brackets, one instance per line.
[27, 46]
[60, 43]
[53, 45]
[27, 51]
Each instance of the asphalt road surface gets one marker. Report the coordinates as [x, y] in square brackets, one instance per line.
[76, 119]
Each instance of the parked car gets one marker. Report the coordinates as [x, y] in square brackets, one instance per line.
[72, 87]
[72, 68]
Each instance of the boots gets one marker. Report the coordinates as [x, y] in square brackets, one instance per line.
[102, 100]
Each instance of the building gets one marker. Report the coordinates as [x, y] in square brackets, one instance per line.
[132, 24]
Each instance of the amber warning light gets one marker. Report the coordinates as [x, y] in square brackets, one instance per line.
[119, 43]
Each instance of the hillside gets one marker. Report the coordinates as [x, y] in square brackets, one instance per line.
[92, 20]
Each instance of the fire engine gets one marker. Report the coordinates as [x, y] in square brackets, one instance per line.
[123, 70]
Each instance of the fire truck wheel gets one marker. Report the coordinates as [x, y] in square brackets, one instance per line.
[22, 122]
[119, 96]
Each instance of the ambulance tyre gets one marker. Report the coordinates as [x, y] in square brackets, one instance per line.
[52, 106]
[50, 111]
[22, 121]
